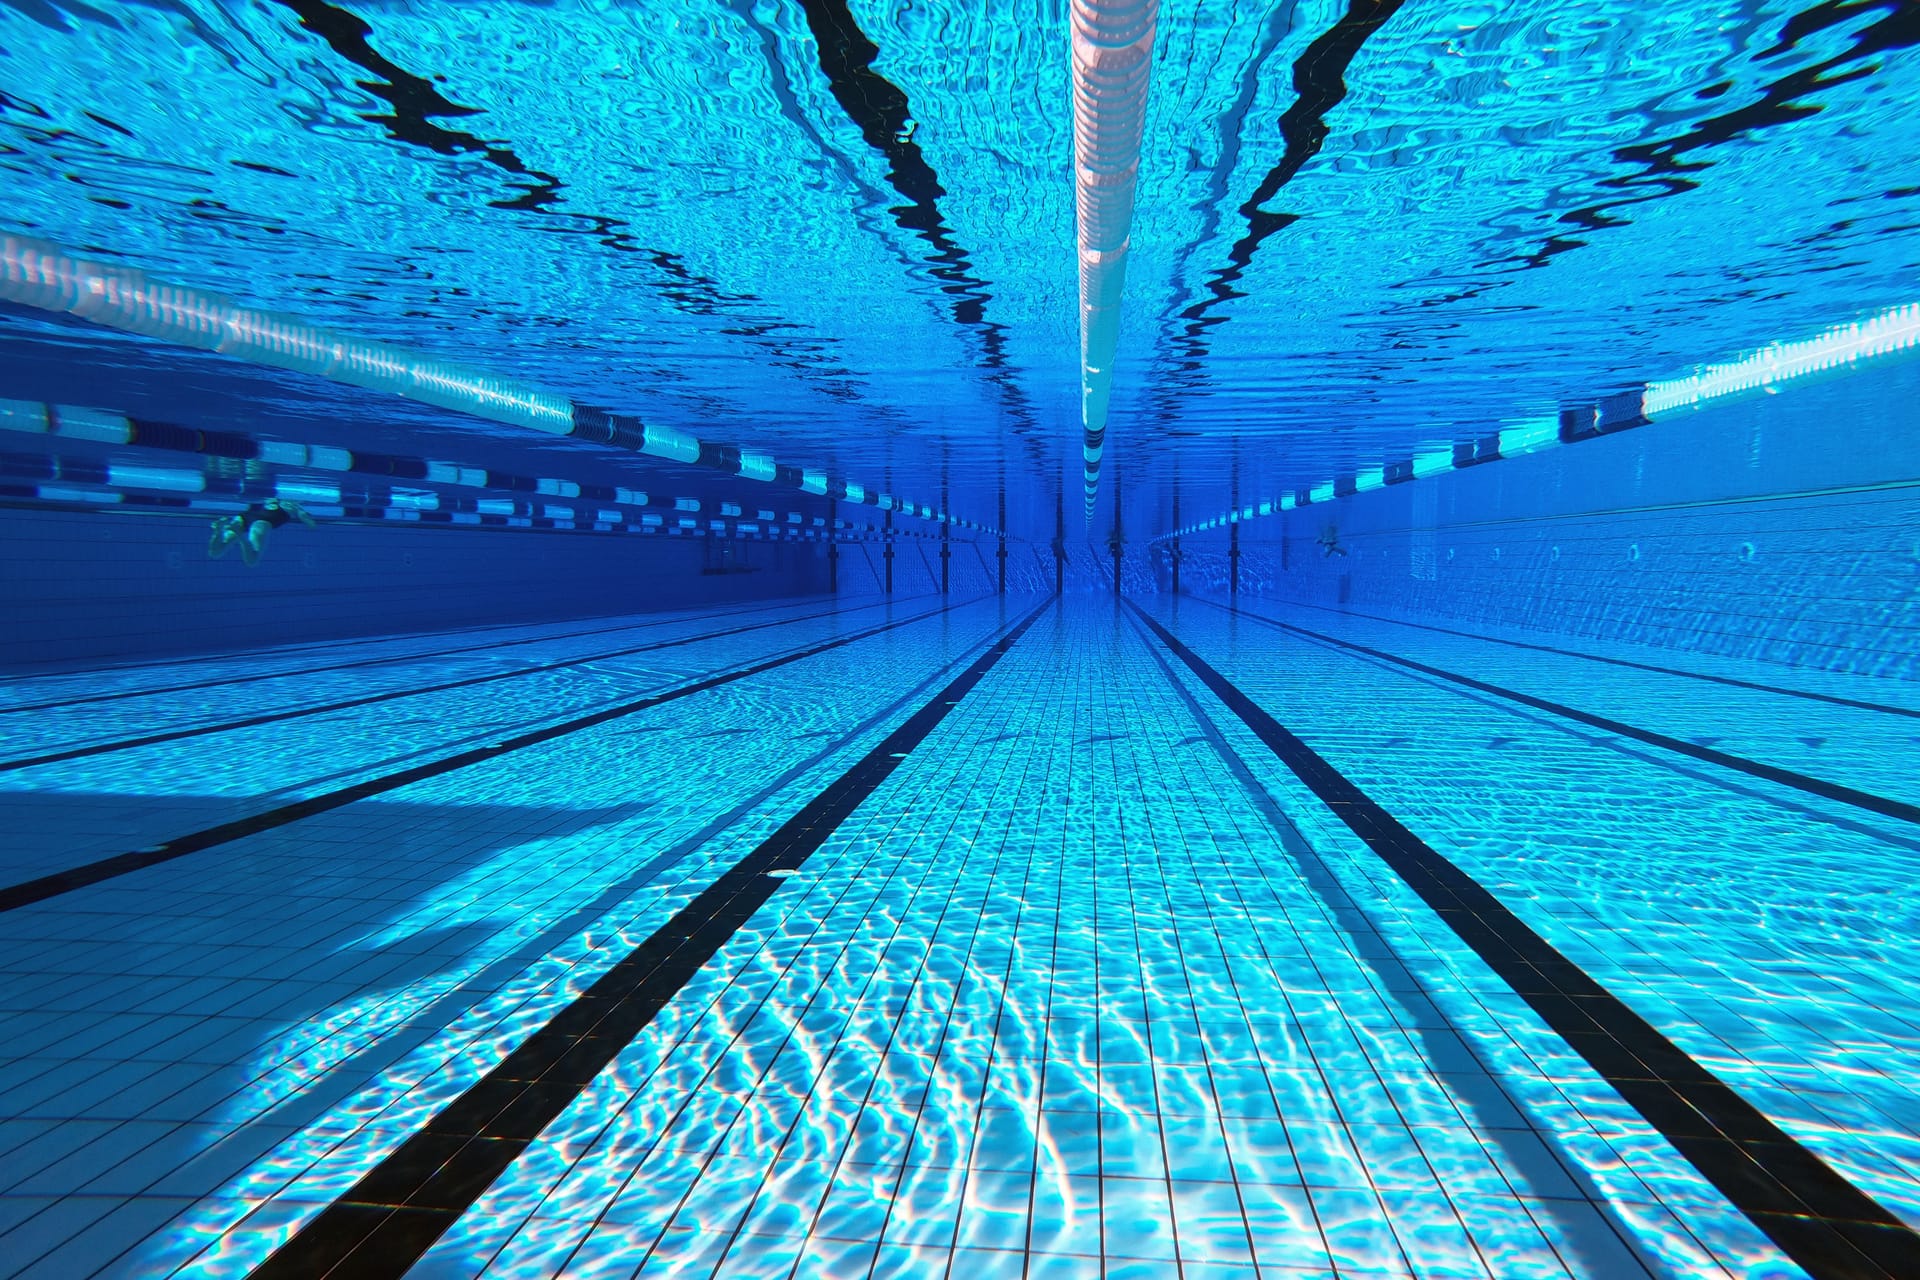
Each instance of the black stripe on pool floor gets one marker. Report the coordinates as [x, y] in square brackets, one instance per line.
[1830, 1227]
[1886, 806]
[387, 1220]
[50, 886]
[346, 704]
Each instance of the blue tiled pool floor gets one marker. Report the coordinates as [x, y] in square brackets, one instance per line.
[1090, 984]
[1748, 919]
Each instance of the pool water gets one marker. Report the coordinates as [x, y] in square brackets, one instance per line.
[591, 684]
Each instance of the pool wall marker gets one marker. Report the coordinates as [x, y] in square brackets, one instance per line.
[369, 495]
[105, 426]
[35, 273]
[87, 484]
[105, 500]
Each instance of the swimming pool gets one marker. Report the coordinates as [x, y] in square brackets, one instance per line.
[686, 641]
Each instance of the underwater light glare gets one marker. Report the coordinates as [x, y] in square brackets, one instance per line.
[1535, 433]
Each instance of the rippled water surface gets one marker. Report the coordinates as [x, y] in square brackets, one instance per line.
[843, 229]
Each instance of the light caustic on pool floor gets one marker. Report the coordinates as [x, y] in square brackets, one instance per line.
[1744, 914]
[1090, 981]
[1070, 1009]
[170, 1025]
[1048, 999]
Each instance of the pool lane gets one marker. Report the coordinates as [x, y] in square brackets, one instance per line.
[78, 812]
[397, 1210]
[76, 729]
[44, 689]
[1870, 747]
[1825, 1223]
[1062, 996]
[316, 984]
[1836, 688]
[1750, 923]
[1068, 991]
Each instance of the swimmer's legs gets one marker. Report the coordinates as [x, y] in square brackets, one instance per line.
[226, 531]
[255, 541]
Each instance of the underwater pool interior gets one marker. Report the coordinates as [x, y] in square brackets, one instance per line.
[1148, 639]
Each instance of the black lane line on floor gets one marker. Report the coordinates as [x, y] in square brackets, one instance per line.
[1858, 704]
[1884, 805]
[421, 656]
[31, 891]
[387, 1220]
[346, 1075]
[347, 704]
[1325, 885]
[1823, 1222]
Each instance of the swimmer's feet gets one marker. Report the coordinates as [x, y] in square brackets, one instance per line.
[226, 532]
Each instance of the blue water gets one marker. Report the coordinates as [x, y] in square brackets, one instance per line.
[1314, 864]
[669, 211]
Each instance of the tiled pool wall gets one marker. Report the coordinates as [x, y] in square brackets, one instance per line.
[107, 587]
[1784, 528]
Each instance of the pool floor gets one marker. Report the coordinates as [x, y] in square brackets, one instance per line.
[1015, 937]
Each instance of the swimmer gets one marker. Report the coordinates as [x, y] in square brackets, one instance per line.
[1329, 541]
[250, 528]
